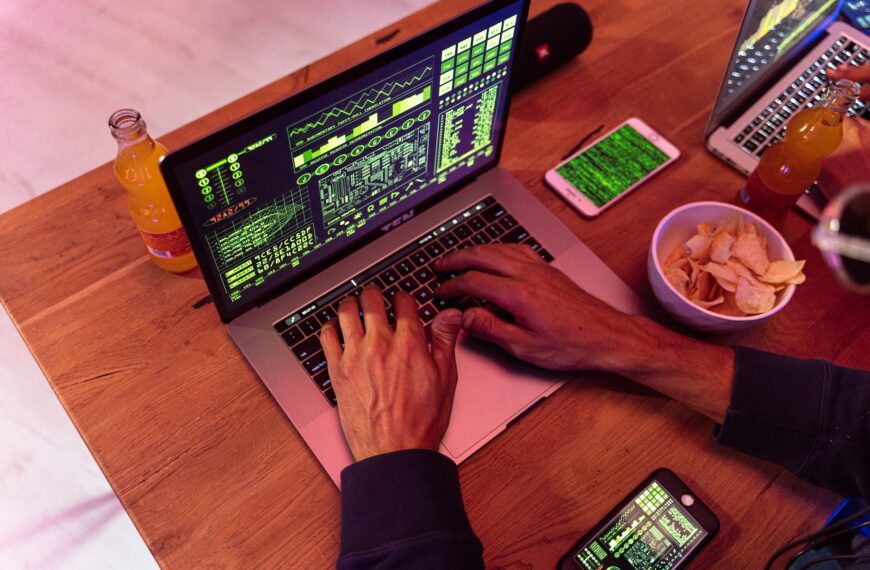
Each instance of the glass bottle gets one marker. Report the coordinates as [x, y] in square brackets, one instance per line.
[789, 167]
[148, 201]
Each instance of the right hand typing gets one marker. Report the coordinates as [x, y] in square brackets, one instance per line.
[557, 325]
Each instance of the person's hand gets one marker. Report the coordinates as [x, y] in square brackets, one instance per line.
[858, 74]
[850, 163]
[557, 325]
[393, 391]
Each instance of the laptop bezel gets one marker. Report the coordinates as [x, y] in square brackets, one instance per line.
[741, 102]
[171, 161]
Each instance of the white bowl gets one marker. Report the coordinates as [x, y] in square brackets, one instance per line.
[677, 227]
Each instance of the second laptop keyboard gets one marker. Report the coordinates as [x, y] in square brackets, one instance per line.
[769, 126]
[410, 270]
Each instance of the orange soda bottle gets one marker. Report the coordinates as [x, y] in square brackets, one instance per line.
[789, 167]
[148, 201]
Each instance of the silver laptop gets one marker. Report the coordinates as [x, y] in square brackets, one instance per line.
[776, 69]
[367, 178]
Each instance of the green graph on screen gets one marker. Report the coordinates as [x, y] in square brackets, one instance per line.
[378, 106]
[237, 239]
[371, 123]
[363, 101]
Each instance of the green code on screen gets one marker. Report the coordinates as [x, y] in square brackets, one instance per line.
[611, 166]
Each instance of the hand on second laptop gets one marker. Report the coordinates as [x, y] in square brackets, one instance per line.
[859, 74]
[394, 391]
[558, 325]
[850, 163]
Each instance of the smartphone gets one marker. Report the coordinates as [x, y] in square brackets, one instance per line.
[606, 170]
[660, 525]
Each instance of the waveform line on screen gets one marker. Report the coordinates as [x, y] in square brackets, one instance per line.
[367, 99]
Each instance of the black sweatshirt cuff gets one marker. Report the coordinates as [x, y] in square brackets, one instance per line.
[776, 407]
[399, 496]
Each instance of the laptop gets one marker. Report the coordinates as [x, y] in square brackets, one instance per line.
[776, 69]
[368, 177]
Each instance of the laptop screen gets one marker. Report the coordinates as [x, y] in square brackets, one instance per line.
[273, 197]
[771, 31]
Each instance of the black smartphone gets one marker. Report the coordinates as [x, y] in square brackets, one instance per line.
[660, 525]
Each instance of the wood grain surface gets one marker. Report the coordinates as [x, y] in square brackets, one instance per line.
[211, 471]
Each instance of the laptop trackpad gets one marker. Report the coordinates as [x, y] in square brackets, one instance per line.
[493, 387]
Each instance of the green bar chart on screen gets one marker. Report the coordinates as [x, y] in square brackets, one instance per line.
[373, 121]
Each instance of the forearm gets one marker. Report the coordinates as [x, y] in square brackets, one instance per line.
[698, 374]
[810, 416]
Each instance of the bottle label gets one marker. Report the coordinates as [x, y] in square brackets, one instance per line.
[166, 246]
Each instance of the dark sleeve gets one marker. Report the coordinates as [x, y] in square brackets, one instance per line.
[404, 510]
[807, 415]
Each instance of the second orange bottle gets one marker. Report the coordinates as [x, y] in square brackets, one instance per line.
[789, 167]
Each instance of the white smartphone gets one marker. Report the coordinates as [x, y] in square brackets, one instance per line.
[610, 167]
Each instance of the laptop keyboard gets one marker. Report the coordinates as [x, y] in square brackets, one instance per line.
[410, 270]
[807, 90]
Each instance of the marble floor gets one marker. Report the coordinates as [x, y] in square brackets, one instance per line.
[66, 66]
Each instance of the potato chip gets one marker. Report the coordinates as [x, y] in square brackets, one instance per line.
[683, 263]
[678, 253]
[798, 279]
[750, 250]
[720, 248]
[679, 279]
[727, 226]
[703, 287]
[729, 307]
[782, 271]
[754, 299]
[709, 304]
[724, 276]
[699, 246]
[725, 268]
[742, 271]
[696, 269]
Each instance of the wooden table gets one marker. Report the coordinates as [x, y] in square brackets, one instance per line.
[211, 471]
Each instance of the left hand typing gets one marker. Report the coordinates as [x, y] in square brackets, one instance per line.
[394, 391]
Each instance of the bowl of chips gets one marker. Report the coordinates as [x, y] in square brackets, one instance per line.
[719, 268]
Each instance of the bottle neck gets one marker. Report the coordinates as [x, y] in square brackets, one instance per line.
[129, 130]
[841, 96]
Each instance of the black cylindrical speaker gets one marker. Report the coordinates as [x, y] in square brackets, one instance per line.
[551, 39]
